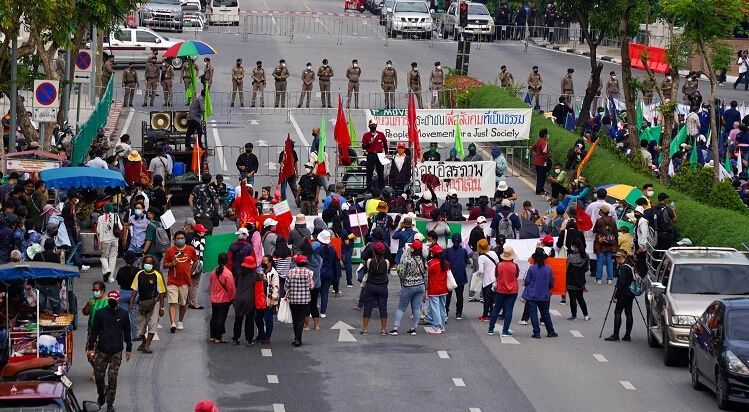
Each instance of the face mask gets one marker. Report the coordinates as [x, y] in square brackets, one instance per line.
[267, 265]
[668, 77]
[112, 304]
[650, 193]
[248, 150]
[121, 154]
[180, 242]
[416, 69]
[372, 129]
[439, 67]
[356, 65]
[557, 171]
[309, 67]
[432, 149]
[147, 267]
[97, 294]
[535, 72]
[613, 77]
[138, 212]
[325, 65]
[620, 209]
[283, 64]
[389, 65]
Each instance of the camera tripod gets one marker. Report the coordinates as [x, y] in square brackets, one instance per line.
[609, 309]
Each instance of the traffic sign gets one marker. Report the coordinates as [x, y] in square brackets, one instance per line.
[45, 94]
[45, 114]
[83, 63]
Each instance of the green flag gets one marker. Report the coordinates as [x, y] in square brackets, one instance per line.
[352, 131]
[727, 165]
[208, 105]
[651, 134]
[458, 138]
[693, 157]
[190, 90]
[680, 138]
[639, 117]
[321, 144]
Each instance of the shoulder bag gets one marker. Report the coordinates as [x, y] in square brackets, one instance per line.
[563, 250]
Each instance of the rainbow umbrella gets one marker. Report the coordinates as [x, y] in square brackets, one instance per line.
[189, 48]
[628, 193]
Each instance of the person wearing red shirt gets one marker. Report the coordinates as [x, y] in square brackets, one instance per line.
[506, 288]
[181, 260]
[542, 159]
[437, 290]
[482, 209]
[374, 142]
[135, 168]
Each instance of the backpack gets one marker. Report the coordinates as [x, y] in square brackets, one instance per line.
[307, 187]
[637, 287]
[606, 238]
[661, 220]
[454, 212]
[162, 241]
[505, 227]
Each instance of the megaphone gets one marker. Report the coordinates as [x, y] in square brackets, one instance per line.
[180, 122]
[161, 120]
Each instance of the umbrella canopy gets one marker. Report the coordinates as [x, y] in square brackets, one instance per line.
[36, 270]
[189, 48]
[67, 177]
[528, 229]
[628, 193]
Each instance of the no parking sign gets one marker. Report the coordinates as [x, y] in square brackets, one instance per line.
[46, 100]
[83, 63]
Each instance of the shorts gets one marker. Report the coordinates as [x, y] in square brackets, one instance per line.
[177, 294]
[151, 321]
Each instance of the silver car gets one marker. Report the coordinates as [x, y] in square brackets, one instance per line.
[162, 14]
[410, 17]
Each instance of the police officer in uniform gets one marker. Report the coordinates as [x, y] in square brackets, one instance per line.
[647, 93]
[389, 82]
[436, 83]
[167, 79]
[568, 88]
[185, 78]
[60, 64]
[689, 85]
[152, 81]
[666, 85]
[106, 74]
[308, 77]
[207, 77]
[130, 83]
[505, 77]
[280, 74]
[352, 74]
[237, 83]
[612, 86]
[324, 73]
[258, 83]
[414, 82]
[535, 84]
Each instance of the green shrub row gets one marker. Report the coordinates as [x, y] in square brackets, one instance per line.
[704, 225]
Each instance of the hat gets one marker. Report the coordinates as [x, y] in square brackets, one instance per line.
[251, 221]
[411, 215]
[134, 156]
[662, 197]
[324, 237]
[249, 261]
[242, 231]
[51, 210]
[640, 210]
[200, 228]
[379, 248]
[539, 255]
[684, 242]
[309, 165]
[382, 207]
[270, 222]
[502, 186]
[113, 294]
[561, 210]
[32, 250]
[401, 144]
[130, 257]
[456, 238]
[547, 240]
[301, 219]
[206, 406]
[416, 244]
[452, 193]
[119, 148]
[482, 246]
[481, 219]
[621, 254]
[13, 175]
[300, 259]
[418, 236]
[53, 225]
[407, 222]
[604, 209]
[506, 203]
[34, 145]
[508, 253]
[436, 249]
[427, 195]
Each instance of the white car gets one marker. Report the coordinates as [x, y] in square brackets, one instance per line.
[135, 45]
[409, 17]
[480, 22]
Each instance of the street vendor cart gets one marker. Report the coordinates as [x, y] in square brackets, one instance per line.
[32, 333]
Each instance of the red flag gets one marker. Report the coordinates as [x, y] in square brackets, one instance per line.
[413, 132]
[341, 133]
[583, 220]
[287, 161]
[245, 205]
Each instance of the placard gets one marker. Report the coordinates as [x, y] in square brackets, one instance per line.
[167, 219]
[470, 179]
[359, 224]
[29, 165]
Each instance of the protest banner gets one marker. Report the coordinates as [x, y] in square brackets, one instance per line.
[470, 179]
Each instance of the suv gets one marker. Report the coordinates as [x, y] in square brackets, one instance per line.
[480, 22]
[135, 45]
[41, 396]
[409, 17]
[687, 280]
[165, 14]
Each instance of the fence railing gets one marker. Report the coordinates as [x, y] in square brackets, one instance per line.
[87, 131]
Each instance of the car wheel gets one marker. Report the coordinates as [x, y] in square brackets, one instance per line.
[721, 391]
[671, 355]
[696, 384]
[177, 62]
[652, 341]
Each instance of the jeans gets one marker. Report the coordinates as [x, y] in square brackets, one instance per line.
[249, 327]
[458, 302]
[219, 311]
[488, 294]
[576, 296]
[605, 258]
[298, 313]
[49, 297]
[291, 181]
[412, 295]
[347, 267]
[745, 78]
[125, 295]
[540, 179]
[543, 307]
[437, 312]
[264, 322]
[324, 294]
[505, 301]
[623, 304]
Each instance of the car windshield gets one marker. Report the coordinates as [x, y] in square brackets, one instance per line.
[191, 7]
[411, 7]
[478, 9]
[225, 3]
[710, 279]
[738, 324]
[173, 2]
[388, 4]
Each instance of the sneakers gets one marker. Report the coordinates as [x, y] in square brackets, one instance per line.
[522, 322]
[483, 319]
[173, 328]
[587, 318]
[626, 338]
[459, 316]
[110, 279]
[563, 303]
[434, 331]
[552, 335]
[572, 318]
[411, 332]
[349, 286]
[607, 282]
[507, 334]
[85, 268]
[338, 295]
[598, 282]
[322, 315]
[393, 332]
[180, 326]
[490, 332]
[612, 338]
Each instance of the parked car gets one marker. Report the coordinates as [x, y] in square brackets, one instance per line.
[409, 17]
[684, 284]
[135, 45]
[387, 7]
[41, 396]
[480, 22]
[223, 12]
[719, 351]
[162, 14]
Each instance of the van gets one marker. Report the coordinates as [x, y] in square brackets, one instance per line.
[223, 12]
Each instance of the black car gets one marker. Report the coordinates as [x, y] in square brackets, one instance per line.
[719, 351]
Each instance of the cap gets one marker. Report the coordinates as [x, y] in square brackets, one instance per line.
[242, 231]
[324, 237]
[436, 249]
[270, 222]
[200, 228]
[662, 196]
[481, 219]
[206, 406]
[249, 261]
[300, 259]
[416, 244]
[309, 165]
[456, 238]
[548, 240]
[401, 144]
[379, 248]
[452, 193]
[561, 210]
[113, 294]
[621, 254]
[506, 203]
[239, 60]
[640, 210]
[604, 209]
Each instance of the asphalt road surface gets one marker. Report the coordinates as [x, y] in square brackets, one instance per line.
[462, 370]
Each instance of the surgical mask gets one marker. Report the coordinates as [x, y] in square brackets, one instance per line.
[439, 67]
[283, 64]
[76, 200]
[121, 154]
[668, 77]
[613, 77]
[557, 171]
[416, 69]
[389, 65]
[147, 267]
[325, 65]
[179, 242]
[355, 65]
[138, 212]
[97, 294]
[112, 304]
[649, 193]
[309, 67]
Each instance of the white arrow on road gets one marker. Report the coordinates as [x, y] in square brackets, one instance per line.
[271, 166]
[332, 121]
[253, 122]
[343, 332]
[262, 143]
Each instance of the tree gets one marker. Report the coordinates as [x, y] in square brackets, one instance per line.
[705, 23]
[631, 14]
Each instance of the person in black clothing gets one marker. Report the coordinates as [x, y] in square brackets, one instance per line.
[502, 20]
[577, 265]
[662, 220]
[520, 18]
[124, 278]
[561, 110]
[247, 164]
[575, 155]
[569, 235]
[158, 195]
[431, 155]
[111, 326]
[376, 288]
[623, 297]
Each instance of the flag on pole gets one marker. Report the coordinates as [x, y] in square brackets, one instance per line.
[458, 138]
[569, 123]
[614, 118]
[587, 157]
[190, 90]
[584, 222]
[651, 134]
[739, 163]
[341, 133]
[287, 161]
[728, 166]
[527, 99]
[639, 116]
[352, 131]
[413, 131]
[680, 138]
[322, 142]
[208, 105]
[693, 156]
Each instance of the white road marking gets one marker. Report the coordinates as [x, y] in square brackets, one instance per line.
[458, 382]
[155, 336]
[600, 358]
[274, 23]
[298, 130]
[628, 385]
[272, 378]
[509, 340]
[159, 326]
[576, 333]
[443, 354]
[474, 409]
[262, 143]
[343, 332]
[266, 352]
[555, 312]
[254, 122]
[278, 407]
[219, 148]
[127, 121]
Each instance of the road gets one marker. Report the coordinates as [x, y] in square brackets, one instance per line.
[463, 370]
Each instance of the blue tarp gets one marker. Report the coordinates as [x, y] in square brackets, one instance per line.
[36, 270]
[77, 177]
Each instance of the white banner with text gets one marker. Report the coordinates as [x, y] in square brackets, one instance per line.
[470, 179]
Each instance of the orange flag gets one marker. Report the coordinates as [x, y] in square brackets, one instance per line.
[197, 154]
[587, 157]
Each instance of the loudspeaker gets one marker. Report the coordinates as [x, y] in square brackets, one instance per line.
[161, 120]
[180, 122]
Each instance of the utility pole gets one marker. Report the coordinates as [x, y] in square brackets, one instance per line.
[92, 88]
[13, 93]
[66, 89]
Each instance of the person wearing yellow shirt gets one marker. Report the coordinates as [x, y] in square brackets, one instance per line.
[626, 241]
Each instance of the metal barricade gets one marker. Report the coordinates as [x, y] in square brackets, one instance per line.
[269, 25]
[223, 23]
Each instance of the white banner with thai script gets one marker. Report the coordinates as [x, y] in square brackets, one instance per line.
[470, 179]
[476, 125]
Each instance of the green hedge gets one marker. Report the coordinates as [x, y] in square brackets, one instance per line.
[704, 225]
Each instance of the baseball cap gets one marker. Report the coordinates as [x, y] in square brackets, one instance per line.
[481, 219]
[113, 294]
[200, 228]
[300, 259]
[242, 231]
[270, 222]
[416, 244]
[640, 210]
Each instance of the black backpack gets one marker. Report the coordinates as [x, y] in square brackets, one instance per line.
[662, 220]
[454, 212]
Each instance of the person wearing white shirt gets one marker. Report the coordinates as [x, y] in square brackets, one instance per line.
[97, 162]
[594, 207]
[125, 143]
[743, 64]
[159, 164]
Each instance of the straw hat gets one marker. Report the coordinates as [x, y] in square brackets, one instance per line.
[134, 156]
[301, 219]
[508, 253]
